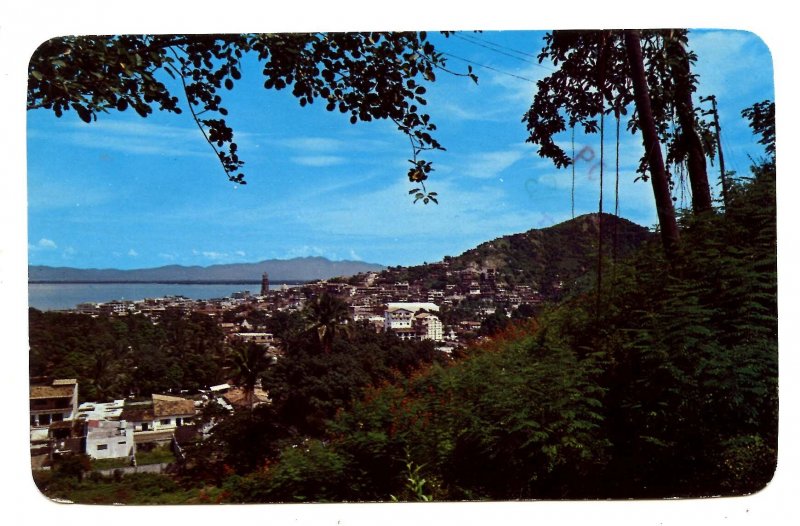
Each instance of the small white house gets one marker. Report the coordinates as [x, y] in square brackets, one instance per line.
[108, 439]
[162, 413]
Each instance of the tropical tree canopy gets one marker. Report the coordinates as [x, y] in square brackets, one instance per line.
[326, 316]
[248, 362]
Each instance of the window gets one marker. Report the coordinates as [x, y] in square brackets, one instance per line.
[33, 420]
[58, 417]
[145, 426]
[166, 421]
[102, 447]
[122, 442]
[44, 420]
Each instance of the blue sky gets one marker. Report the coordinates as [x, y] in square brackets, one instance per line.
[128, 192]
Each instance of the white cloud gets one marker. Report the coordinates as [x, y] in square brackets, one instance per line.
[213, 255]
[390, 214]
[210, 254]
[313, 144]
[135, 137]
[486, 165]
[723, 55]
[456, 111]
[132, 253]
[169, 257]
[43, 244]
[308, 251]
[518, 90]
[318, 161]
[46, 244]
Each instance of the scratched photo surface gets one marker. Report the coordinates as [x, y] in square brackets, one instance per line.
[419, 266]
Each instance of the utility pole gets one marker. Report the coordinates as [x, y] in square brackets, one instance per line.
[723, 175]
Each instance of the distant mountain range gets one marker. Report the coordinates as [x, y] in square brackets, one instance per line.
[541, 257]
[297, 269]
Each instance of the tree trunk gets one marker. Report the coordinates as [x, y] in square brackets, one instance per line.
[684, 107]
[652, 146]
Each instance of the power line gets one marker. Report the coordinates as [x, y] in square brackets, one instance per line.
[495, 44]
[494, 50]
[489, 67]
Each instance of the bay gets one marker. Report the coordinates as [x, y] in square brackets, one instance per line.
[60, 296]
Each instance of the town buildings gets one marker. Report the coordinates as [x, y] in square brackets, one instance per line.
[413, 321]
[56, 402]
[105, 430]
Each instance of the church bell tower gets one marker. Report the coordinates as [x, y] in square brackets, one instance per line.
[264, 284]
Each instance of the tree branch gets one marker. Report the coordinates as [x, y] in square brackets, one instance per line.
[195, 115]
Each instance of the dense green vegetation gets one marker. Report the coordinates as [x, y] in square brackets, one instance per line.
[114, 357]
[669, 389]
[139, 488]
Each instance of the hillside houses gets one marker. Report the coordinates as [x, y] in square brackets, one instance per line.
[52, 403]
[414, 321]
[461, 293]
[161, 414]
[120, 428]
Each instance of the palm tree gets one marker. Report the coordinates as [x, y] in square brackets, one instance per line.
[247, 363]
[327, 316]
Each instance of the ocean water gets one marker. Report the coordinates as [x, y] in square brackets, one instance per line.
[59, 296]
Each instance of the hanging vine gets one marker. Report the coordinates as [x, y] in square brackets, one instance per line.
[601, 83]
[615, 239]
[600, 217]
[573, 170]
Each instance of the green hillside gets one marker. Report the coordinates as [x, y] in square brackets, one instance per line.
[563, 252]
[540, 258]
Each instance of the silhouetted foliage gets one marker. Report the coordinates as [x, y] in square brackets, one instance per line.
[377, 75]
[762, 120]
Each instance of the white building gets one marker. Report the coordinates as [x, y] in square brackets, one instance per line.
[106, 435]
[53, 403]
[158, 419]
[261, 338]
[100, 411]
[429, 327]
[109, 439]
[400, 315]
[413, 321]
